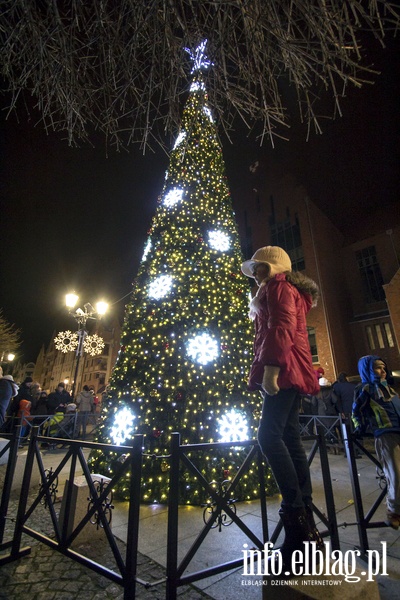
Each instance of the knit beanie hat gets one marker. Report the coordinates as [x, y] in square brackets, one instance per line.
[276, 258]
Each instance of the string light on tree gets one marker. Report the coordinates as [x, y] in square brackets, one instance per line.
[233, 427]
[203, 348]
[208, 113]
[123, 427]
[147, 249]
[179, 139]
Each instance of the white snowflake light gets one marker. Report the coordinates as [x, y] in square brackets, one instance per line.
[219, 240]
[173, 197]
[197, 86]
[122, 427]
[93, 344]
[160, 287]
[65, 341]
[208, 113]
[203, 348]
[233, 427]
[179, 139]
[147, 249]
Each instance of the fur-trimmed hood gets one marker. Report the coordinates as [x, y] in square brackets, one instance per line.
[304, 284]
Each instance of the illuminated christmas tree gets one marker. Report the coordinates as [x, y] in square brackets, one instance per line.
[186, 347]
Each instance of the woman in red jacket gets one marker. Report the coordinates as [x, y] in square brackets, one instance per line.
[282, 370]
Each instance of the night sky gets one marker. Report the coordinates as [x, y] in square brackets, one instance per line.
[75, 219]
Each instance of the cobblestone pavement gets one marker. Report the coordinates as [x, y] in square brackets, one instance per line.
[46, 574]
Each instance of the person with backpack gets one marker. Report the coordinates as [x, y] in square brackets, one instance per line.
[376, 409]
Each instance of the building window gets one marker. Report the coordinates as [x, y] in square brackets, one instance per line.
[370, 337]
[371, 275]
[389, 336]
[379, 336]
[312, 340]
[288, 237]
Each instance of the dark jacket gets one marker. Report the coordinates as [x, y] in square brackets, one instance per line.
[56, 399]
[279, 310]
[326, 402]
[376, 405]
[344, 391]
[6, 393]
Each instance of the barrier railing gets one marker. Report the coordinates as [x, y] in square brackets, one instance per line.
[66, 532]
[12, 448]
[363, 521]
[221, 498]
[219, 509]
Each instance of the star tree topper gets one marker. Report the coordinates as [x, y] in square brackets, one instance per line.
[199, 58]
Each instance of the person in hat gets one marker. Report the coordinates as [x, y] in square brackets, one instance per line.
[59, 397]
[376, 409]
[282, 370]
[8, 389]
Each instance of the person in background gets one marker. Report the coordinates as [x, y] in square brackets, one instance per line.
[282, 370]
[24, 413]
[84, 402]
[326, 406]
[8, 389]
[41, 406]
[59, 397]
[377, 407]
[24, 393]
[35, 393]
[344, 391]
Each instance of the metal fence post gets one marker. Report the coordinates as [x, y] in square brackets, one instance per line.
[133, 520]
[11, 464]
[172, 537]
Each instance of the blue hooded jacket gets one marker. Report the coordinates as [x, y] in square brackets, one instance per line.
[376, 405]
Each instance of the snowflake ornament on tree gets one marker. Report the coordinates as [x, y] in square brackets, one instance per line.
[203, 348]
[123, 427]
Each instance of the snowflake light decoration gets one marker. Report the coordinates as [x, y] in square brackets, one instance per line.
[208, 113]
[179, 139]
[65, 341]
[173, 197]
[93, 344]
[203, 348]
[197, 86]
[160, 287]
[218, 240]
[147, 249]
[122, 427]
[233, 427]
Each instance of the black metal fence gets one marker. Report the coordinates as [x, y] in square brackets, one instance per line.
[219, 510]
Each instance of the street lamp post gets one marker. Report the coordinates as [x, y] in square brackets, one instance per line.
[81, 317]
[7, 358]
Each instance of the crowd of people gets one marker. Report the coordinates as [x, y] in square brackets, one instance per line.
[30, 404]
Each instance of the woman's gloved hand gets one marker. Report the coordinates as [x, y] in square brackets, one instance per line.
[270, 380]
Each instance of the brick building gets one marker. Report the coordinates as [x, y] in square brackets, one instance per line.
[359, 310]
